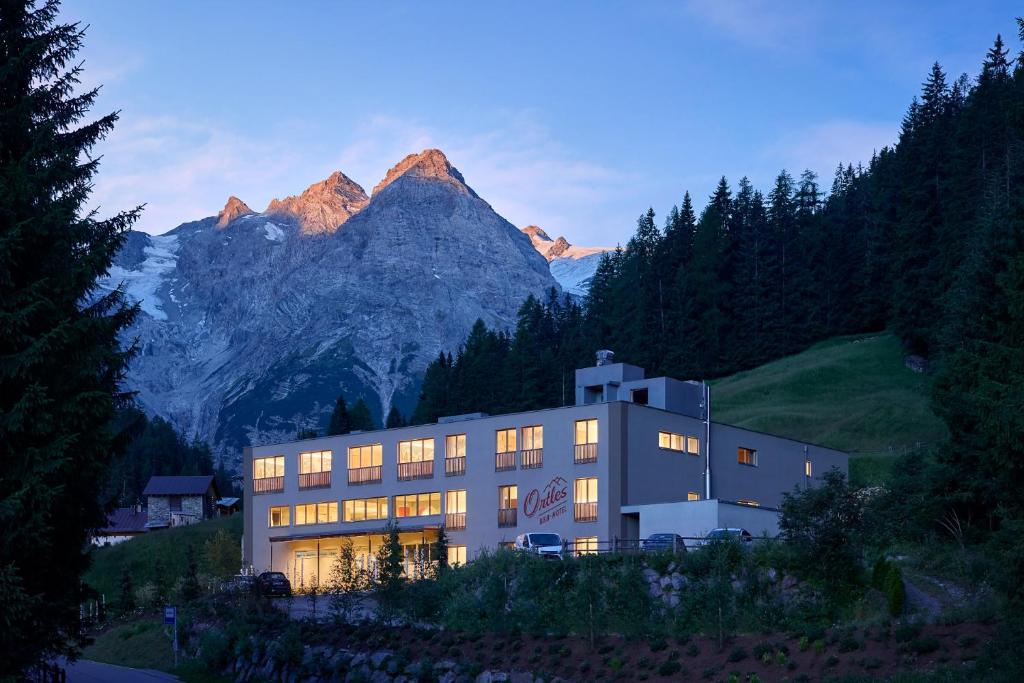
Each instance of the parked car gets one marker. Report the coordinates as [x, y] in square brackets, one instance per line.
[660, 542]
[548, 546]
[274, 584]
[728, 534]
[242, 583]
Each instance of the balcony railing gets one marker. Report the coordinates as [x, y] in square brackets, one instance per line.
[268, 485]
[585, 512]
[507, 517]
[365, 475]
[585, 452]
[531, 459]
[315, 480]
[504, 461]
[423, 469]
[455, 467]
[455, 520]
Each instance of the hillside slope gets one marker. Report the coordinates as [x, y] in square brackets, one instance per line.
[851, 393]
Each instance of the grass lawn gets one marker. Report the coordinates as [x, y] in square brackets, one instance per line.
[851, 393]
[140, 554]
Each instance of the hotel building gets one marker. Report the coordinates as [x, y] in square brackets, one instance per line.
[633, 456]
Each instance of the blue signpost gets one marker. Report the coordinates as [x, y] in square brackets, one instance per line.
[171, 617]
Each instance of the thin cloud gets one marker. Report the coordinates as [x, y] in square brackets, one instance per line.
[823, 146]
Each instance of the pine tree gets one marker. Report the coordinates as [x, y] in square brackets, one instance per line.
[190, 589]
[395, 418]
[61, 359]
[340, 422]
[360, 418]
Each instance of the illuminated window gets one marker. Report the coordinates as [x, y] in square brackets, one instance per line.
[456, 555]
[362, 509]
[748, 502]
[586, 432]
[533, 438]
[505, 441]
[455, 446]
[364, 456]
[585, 545]
[278, 516]
[268, 468]
[747, 456]
[508, 497]
[418, 504]
[455, 501]
[692, 495]
[671, 441]
[808, 471]
[316, 513]
[585, 500]
[314, 461]
[693, 445]
[416, 450]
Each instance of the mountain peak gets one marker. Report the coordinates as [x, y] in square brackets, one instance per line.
[234, 208]
[323, 206]
[429, 164]
[536, 234]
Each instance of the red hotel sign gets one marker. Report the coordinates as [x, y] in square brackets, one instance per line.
[549, 503]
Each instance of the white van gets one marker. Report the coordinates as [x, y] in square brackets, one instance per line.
[544, 544]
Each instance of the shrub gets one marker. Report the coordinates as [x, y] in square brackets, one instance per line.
[669, 667]
[967, 641]
[907, 632]
[895, 591]
[803, 644]
[819, 646]
[215, 649]
[762, 649]
[849, 644]
[923, 645]
[831, 661]
[658, 644]
[738, 654]
[879, 573]
[693, 650]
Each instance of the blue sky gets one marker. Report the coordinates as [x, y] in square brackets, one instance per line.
[573, 116]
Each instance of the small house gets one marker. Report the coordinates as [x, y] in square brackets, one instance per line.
[122, 524]
[178, 501]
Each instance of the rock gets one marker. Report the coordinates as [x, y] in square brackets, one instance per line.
[771, 575]
[380, 677]
[447, 677]
[789, 582]
[492, 677]
[665, 582]
[673, 600]
[359, 660]
[737, 585]
[656, 591]
[650, 575]
[520, 677]
[377, 659]
[678, 581]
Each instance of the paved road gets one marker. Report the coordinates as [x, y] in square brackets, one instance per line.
[86, 671]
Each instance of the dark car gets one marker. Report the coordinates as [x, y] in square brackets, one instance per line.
[729, 534]
[274, 584]
[242, 583]
[660, 542]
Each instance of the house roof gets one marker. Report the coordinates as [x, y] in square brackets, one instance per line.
[124, 521]
[178, 486]
[227, 502]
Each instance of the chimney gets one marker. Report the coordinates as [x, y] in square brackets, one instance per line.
[605, 357]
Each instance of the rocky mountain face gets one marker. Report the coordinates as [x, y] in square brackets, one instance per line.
[253, 323]
[572, 266]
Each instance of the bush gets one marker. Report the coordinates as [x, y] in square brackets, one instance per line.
[669, 667]
[923, 645]
[879, 573]
[895, 591]
[215, 649]
[738, 654]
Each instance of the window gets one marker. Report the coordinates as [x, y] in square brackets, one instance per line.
[278, 516]
[747, 456]
[586, 431]
[316, 513]
[638, 396]
[415, 459]
[456, 555]
[693, 445]
[692, 495]
[268, 474]
[455, 509]
[508, 501]
[315, 469]
[418, 504]
[364, 464]
[505, 441]
[585, 545]
[748, 502]
[455, 446]
[585, 500]
[362, 509]
[533, 438]
[174, 503]
[670, 441]
[808, 470]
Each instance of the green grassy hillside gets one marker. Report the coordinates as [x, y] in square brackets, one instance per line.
[851, 393]
[169, 546]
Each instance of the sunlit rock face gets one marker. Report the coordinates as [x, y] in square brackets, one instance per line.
[253, 323]
[573, 267]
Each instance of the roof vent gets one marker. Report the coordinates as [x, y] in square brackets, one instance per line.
[605, 357]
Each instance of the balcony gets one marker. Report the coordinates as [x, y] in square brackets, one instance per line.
[364, 475]
[455, 467]
[315, 480]
[423, 469]
[268, 485]
[507, 518]
[455, 521]
[585, 452]
[504, 462]
[531, 459]
[585, 512]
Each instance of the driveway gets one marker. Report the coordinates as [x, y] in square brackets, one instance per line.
[87, 671]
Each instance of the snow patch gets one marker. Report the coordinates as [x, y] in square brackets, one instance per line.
[574, 273]
[143, 283]
[273, 232]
